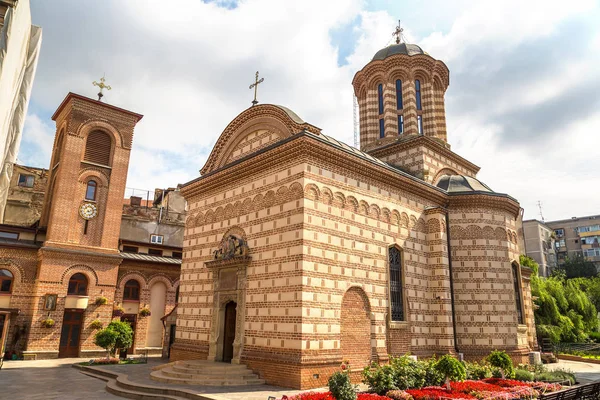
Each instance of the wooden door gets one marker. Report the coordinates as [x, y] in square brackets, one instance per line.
[132, 319]
[229, 333]
[70, 334]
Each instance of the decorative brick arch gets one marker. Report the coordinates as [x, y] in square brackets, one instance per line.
[93, 173]
[443, 172]
[355, 328]
[132, 275]
[160, 278]
[97, 125]
[14, 268]
[79, 268]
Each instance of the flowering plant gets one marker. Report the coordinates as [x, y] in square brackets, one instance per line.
[145, 312]
[434, 394]
[96, 324]
[48, 323]
[101, 300]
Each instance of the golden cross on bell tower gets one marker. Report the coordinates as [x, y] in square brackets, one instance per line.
[398, 33]
[102, 86]
[255, 86]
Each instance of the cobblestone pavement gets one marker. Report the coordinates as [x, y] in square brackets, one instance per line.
[49, 380]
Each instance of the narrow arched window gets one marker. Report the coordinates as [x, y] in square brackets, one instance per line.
[97, 148]
[396, 289]
[78, 285]
[132, 290]
[400, 124]
[380, 98]
[6, 280]
[177, 295]
[398, 94]
[418, 94]
[381, 128]
[58, 149]
[90, 191]
[518, 300]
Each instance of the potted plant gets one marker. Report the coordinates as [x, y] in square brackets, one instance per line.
[118, 311]
[48, 323]
[101, 301]
[96, 324]
[145, 312]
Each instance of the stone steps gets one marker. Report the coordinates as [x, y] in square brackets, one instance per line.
[207, 373]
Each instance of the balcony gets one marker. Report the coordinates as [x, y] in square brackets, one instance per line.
[78, 302]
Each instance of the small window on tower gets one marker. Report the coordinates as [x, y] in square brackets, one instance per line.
[381, 128]
[418, 94]
[156, 239]
[400, 124]
[399, 94]
[420, 124]
[90, 191]
[26, 180]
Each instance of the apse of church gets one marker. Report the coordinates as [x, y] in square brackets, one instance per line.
[301, 251]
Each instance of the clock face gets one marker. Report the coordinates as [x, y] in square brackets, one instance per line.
[88, 210]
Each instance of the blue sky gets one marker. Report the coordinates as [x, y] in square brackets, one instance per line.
[523, 102]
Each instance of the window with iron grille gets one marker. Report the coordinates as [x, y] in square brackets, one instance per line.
[518, 302]
[396, 299]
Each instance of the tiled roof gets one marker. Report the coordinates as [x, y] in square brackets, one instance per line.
[147, 257]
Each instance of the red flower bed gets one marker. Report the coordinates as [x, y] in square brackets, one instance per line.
[475, 386]
[505, 382]
[435, 394]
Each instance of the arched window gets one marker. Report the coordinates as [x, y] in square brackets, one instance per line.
[58, 149]
[418, 93]
[396, 289]
[400, 124]
[398, 94]
[132, 290]
[78, 285]
[381, 128]
[380, 98]
[97, 148]
[518, 301]
[90, 191]
[6, 280]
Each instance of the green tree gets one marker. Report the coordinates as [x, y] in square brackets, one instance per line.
[501, 360]
[451, 369]
[578, 267]
[106, 338]
[124, 333]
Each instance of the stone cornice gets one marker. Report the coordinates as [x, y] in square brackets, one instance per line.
[488, 200]
[428, 142]
[75, 254]
[232, 262]
[304, 146]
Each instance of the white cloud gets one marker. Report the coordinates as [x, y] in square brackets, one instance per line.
[37, 141]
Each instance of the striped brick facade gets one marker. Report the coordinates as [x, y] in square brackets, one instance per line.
[319, 220]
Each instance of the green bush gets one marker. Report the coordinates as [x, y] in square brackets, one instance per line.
[408, 373]
[432, 375]
[379, 378]
[106, 338]
[501, 360]
[476, 371]
[558, 375]
[451, 369]
[340, 386]
[124, 334]
[595, 336]
[523, 375]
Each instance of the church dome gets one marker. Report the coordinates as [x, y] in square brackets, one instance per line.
[462, 184]
[400, 48]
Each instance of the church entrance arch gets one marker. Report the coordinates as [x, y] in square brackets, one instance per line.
[355, 329]
[229, 267]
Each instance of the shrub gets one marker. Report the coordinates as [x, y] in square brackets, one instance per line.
[523, 375]
[476, 371]
[340, 386]
[451, 369]
[124, 334]
[399, 395]
[106, 338]
[501, 360]
[595, 336]
[407, 373]
[379, 378]
[557, 375]
[432, 375]
[104, 361]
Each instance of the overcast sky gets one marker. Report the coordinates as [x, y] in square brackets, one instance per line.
[523, 101]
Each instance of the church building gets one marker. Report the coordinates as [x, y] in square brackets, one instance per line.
[301, 251]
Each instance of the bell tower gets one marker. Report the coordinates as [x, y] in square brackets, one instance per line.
[88, 171]
[400, 96]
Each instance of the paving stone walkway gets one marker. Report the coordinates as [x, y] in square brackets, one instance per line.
[49, 380]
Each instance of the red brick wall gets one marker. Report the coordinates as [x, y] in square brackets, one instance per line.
[355, 339]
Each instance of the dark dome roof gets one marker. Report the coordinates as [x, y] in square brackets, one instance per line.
[401, 48]
[462, 184]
